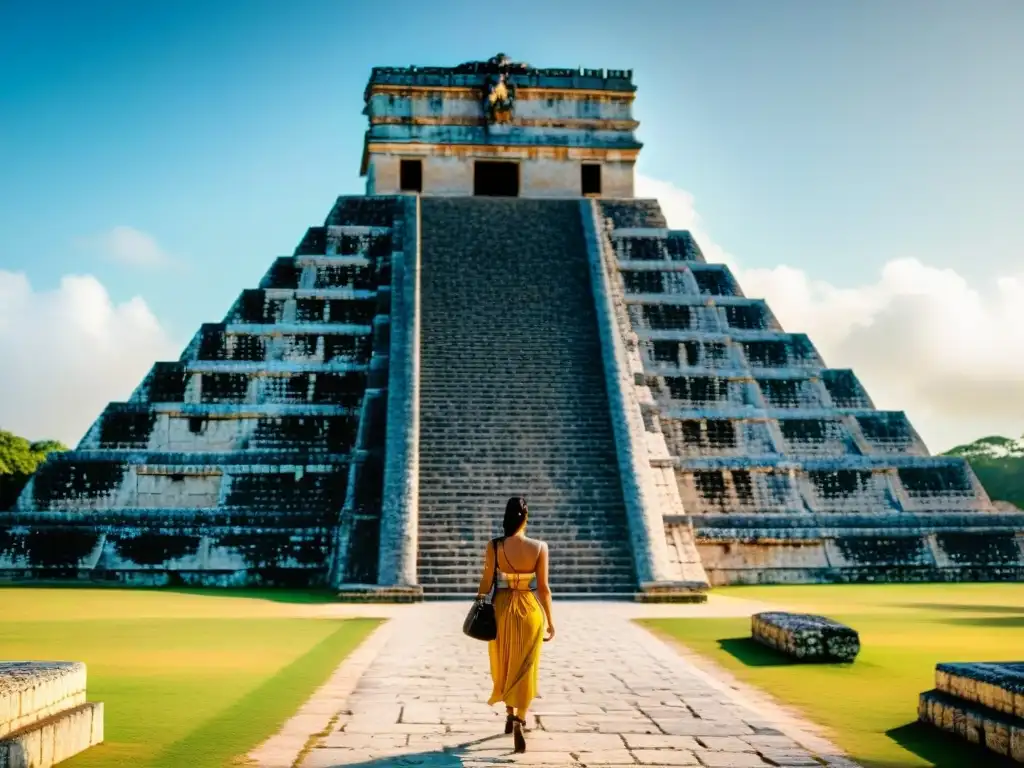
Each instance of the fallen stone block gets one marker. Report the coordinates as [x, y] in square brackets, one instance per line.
[805, 636]
[982, 702]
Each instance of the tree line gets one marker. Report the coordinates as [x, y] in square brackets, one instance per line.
[19, 458]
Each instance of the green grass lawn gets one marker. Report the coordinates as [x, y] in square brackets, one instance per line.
[869, 708]
[187, 678]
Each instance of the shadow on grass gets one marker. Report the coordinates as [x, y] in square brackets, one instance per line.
[752, 653]
[309, 596]
[940, 749]
[281, 595]
[964, 607]
[994, 622]
[259, 713]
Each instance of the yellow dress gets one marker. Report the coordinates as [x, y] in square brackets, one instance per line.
[515, 654]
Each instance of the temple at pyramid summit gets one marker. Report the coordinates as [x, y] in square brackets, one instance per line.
[499, 315]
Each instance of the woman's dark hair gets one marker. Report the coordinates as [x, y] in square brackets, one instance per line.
[515, 515]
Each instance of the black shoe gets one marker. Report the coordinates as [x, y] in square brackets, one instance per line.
[508, 724]
[518, 740]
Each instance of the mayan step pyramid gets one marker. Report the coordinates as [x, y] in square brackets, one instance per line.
[499, 316]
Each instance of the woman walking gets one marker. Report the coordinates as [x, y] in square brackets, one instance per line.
[524, 619]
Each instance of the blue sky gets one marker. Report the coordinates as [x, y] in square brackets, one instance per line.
[833, 137]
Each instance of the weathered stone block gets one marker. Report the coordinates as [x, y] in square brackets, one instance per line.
[31, 691]
[55, 739]
[805, 636]
[978, 724]
[44, 717]
[994, 685]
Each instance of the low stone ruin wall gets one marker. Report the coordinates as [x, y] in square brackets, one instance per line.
[861, 548]
[44, 715]
[154, 548]
[805, 637]
[982, 702]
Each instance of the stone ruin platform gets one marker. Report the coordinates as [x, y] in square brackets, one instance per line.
[805, 636]
[44, 715]
[356, 417]
[982, 702]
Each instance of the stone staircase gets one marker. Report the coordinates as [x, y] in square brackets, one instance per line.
[512, 396]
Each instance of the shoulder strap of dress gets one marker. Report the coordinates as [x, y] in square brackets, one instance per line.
[509, 562]
[494, 575]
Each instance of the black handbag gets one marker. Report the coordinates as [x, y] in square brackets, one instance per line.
[481, 622]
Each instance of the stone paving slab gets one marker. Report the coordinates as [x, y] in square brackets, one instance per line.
[611, 694]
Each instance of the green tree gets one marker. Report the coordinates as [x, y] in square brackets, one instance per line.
[999, 464]
[19, 458]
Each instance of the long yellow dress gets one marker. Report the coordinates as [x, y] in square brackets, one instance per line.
[515, 654]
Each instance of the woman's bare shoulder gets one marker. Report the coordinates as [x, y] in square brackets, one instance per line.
[538, 543]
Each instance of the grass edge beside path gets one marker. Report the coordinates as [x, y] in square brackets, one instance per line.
[791, 717]
[286, 691]
[867, 709]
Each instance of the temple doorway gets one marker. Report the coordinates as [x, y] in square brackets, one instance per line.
[495, 179]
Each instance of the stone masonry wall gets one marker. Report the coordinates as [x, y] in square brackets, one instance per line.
[649, 494]
[785, 470]
[257, 457]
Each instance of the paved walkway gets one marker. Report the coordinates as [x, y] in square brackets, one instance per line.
[611, 695]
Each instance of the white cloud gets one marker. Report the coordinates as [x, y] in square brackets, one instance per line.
[64, 354]
[921, 339]
[130, 247]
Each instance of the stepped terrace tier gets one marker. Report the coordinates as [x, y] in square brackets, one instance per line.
[783, 469]
[258, 457]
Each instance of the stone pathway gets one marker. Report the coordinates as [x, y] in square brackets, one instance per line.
[611, 695]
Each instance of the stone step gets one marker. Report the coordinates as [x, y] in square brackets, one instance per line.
[561, 556]
[564, 542]
[567, 545]
[568, 540]
[54, 739]
[563, 525]
[473, 571]
[480, 502]
[583, 509]
[559, 591]
[572, 483]
[562, 538]
[563, 596]
[428, 571]
[558, 555]
[44, 715]
[590, 580]
[453, 469]
[476, 540]
[560, 525]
